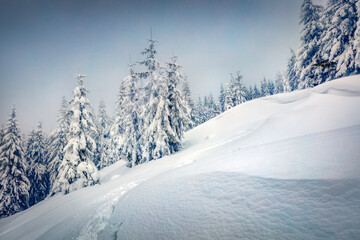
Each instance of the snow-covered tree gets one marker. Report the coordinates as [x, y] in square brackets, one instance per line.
[159, 138]
[250, 94]
[200, 116]
[103, 153]
[77, 169]
[37, 172]
[264, 88]
[179, 109]
[57, 141]
[235, 92]
[221, 99]
[279, 83]
[14, 184]
[257, 93]
[340, 20]
[271, 87]
[310, 44]
[132, 122]
[291, 71]
[356, 42]
[188, 98]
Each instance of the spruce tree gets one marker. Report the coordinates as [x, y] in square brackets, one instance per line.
[356, 42]
[14, 184]
[133, 125]
[77, 169]
[257, 93]
[58, 140]
[179, 108]
[103, 153]
[190, 102]
[222, 99]
[159, 138]
[307, 54]
[37, 173]
[291, 71]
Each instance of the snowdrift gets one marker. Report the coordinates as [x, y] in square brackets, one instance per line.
[280, 167]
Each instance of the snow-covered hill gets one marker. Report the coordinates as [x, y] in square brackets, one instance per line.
[279, 167]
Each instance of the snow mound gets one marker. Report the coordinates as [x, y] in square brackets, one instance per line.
[280, 167]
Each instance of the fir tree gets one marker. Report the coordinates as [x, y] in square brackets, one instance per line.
[310, 44]
[190, 102]
[159, 136]
[291, 71]
[235, 92]
[279, 83]
[264, 88]
[133, 125]
[14, 185]
[356, 42]
[103, 156]
[257, 93]
[77, 169]
[179, 108]
[37, 173]
[222, 99]
[58, 140]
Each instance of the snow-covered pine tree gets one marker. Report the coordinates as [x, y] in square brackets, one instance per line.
[340, 19]
[221, 99]
[264, 88]
[158, 137]
[279, 83]
[199, 119]
[286, 83]
[179, 108]
[257, 93]
[307, 54]
[356, 42]
[58, 140]
[291, 71]
[250, 94]
[77, 169]
[235, 92]
[188, 97]
[133, 125]
[103, 153]
[271, 87]
[14, 184]
[37, 172]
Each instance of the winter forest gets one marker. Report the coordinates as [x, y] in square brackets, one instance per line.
[155, 107]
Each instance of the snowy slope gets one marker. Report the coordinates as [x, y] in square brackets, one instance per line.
[279, 167]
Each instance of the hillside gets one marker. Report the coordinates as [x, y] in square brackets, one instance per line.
[281, 167]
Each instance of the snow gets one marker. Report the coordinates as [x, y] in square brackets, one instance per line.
[279, 167]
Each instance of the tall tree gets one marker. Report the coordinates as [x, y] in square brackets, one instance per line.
[14, 184]
[235, 92]
[190, 102]
[179, 108]
[37, 173]
[221, 99]
[133, 125]
[291, 71]
[310, 44]
[103, 154]
[356, 42]
[77, 169]
[58, 140]
[158, 138]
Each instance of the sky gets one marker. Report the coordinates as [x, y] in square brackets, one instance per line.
[44, 43]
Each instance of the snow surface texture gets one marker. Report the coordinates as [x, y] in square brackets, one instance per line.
[280, 167]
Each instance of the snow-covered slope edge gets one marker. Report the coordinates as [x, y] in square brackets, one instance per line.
[279, 167]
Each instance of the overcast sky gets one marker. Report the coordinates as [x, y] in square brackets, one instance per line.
[44, 43]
